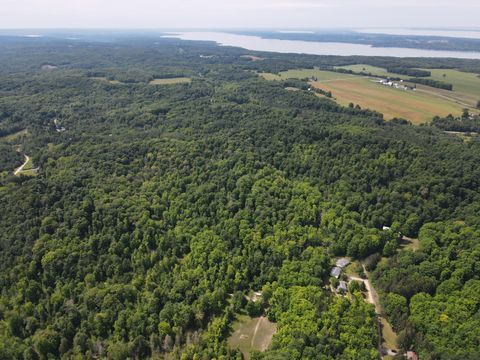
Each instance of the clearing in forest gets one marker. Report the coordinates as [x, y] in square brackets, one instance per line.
[251, 334]
[170, 81]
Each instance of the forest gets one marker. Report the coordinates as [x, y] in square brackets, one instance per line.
[157, 208]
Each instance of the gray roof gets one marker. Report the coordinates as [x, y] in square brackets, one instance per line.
[342, 286]
[342, 262]
[336, 271]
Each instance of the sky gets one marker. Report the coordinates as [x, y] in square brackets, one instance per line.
[284, 14]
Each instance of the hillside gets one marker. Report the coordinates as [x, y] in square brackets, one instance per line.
[157, 207]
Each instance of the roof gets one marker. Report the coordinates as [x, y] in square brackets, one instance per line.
[342, 286]
[336, 271]
[342, 262]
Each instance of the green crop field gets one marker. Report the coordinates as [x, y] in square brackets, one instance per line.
[251, 334]
[171, 81]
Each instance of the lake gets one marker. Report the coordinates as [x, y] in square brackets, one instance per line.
[257, 43]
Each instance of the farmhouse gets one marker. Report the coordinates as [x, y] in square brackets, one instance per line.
[395, 85]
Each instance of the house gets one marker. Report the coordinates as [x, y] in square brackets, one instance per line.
[336, 271]
[411, 355]
[342, 287]
[342, 262]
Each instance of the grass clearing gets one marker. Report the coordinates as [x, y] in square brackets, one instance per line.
[463, 82]
[389, 336]
[409, 243]
[354, 269]
[28, 165]
[251, 334]
[30, 172]
[171, 81]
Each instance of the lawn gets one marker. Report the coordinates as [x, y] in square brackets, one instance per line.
[170, 81]
[251, 334]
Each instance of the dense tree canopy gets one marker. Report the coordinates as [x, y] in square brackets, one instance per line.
[159, 206]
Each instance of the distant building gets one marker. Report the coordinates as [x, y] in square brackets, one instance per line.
[342, 262]
[386, 228]
[411, 355]
[336, 271]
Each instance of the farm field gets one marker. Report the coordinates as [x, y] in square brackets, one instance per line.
[170, 81]
[418, 107]
[251, 334]
[466, 86]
